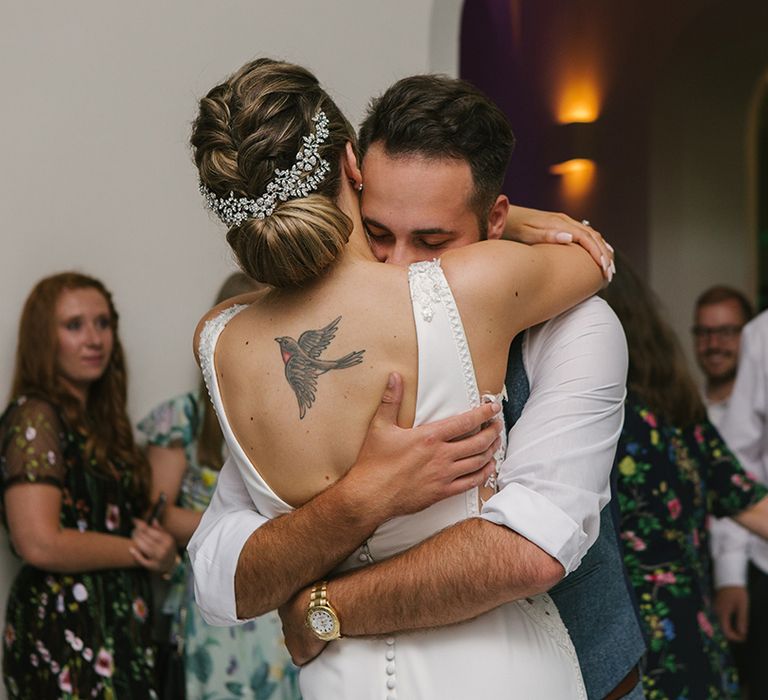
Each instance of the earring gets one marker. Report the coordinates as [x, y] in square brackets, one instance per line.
[360, 187]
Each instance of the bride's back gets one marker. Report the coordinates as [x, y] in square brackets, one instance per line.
[299, 419]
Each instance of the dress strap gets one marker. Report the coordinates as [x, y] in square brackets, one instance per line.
[430, 292]
[208, 339]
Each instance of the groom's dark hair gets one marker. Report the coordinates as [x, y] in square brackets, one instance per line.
[436, 116]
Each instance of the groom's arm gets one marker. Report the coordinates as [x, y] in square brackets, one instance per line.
[554, 483]
[245, 564]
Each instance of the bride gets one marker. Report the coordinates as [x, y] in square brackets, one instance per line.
[296, 375]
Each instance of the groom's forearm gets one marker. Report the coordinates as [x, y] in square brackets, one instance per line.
[285, 554]
[458, 574]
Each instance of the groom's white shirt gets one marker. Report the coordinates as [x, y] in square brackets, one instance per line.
[554, 481]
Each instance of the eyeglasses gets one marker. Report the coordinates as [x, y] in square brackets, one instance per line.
[718, 332]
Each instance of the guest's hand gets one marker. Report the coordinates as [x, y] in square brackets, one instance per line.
[403, 471]
[532, 226]
[732, 608]
[302, 645]
[153, 547]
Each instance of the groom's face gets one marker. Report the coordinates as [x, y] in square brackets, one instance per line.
[415, 208]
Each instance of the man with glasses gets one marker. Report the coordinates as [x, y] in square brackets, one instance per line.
[737, 405]
[721, 313]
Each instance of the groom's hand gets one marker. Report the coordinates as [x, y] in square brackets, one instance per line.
[404, 470]
[302, 645]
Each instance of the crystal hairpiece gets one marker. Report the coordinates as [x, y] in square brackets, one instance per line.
[304, 176]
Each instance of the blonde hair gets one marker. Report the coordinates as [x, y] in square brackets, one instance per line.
[247, 127]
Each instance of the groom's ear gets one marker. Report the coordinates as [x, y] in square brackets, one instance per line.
[497, 218]
[351, 168]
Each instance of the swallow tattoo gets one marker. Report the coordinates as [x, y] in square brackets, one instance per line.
[303, 364]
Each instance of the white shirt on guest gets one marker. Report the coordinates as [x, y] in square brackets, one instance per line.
[554, 481]
[745, 429]
[716, 411]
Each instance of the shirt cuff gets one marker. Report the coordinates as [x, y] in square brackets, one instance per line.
[539, 521]
[214, 563]
[731, 570]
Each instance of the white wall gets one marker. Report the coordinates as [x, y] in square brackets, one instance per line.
[96, 173]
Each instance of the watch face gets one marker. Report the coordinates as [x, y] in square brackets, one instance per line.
[323, 623]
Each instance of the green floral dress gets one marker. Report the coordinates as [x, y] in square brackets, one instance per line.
[221, 663]
[670, 480]
[78, 635]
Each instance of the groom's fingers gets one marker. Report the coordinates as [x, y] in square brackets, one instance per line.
[476, 477]
[476, 463]
[465, 423]
[473, 445]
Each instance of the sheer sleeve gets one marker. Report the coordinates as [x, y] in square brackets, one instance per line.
[730, 489]
[172, 423]
[31, 436]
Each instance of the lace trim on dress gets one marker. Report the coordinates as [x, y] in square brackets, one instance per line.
[428, 288]
[208, 338]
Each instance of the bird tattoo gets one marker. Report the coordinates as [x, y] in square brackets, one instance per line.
[303, 364]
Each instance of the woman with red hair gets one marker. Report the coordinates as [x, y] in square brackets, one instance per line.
[74, 486]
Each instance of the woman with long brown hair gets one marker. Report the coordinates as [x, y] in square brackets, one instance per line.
[674, 471]
[74, 486]
[186, 452]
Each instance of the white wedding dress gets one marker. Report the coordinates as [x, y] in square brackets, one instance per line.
[520, 650]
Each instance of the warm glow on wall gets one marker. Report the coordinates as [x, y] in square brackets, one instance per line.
[577, 177]
[579, 102]
[572, 167]
[574, 141]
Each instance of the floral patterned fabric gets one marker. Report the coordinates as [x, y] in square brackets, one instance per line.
[670, 480]
[78, 635]
[221, 663]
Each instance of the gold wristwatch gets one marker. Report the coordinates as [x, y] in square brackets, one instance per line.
[322, 619]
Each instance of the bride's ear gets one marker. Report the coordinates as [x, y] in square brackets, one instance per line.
[351, 168]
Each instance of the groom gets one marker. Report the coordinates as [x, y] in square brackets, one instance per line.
[554, 482]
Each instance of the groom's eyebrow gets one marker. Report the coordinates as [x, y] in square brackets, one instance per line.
[431, 231]
[435, 230]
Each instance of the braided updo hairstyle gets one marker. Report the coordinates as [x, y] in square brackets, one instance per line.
[249, 126]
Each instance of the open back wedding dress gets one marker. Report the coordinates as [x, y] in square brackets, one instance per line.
[520, 650]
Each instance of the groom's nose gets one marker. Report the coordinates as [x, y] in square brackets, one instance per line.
[400, 254]
[404, 253]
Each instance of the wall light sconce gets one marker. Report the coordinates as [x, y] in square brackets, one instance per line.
[572, 153]
[572, 147]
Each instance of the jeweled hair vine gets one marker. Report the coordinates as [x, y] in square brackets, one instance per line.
[302, 178]
[269, 144]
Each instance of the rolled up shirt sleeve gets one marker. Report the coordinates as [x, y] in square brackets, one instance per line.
[214, 549]
[555, 479]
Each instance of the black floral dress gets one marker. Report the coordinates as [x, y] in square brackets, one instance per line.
[670, 480]
[80, 635]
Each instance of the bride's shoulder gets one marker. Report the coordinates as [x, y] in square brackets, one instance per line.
[486, 256]
[214, 320]
[486, 268]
